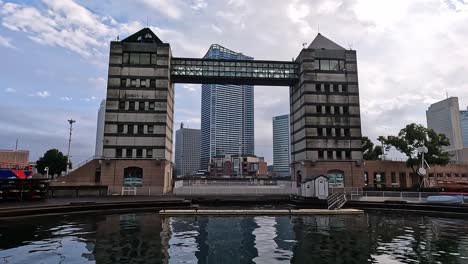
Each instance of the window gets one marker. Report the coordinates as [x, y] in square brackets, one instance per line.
[393, 176]
[123, 82]
[327, 109]
[344, 88]
[154, 58]
[118, 153]
[335, 178]
[150, 129]
[324, 65]
[366, 178]
[332, 89]
[140, 129]
[329, 154]
[125, 58]
[348, 154]
[151, 106]
[320, 132]
[120, 128]
[133, 82]
[122, 105]
[342, 65]
[345, 110]
[140, 105]
[328, 132]
[143, 83]
[339, 155]
[334, 66]
[152, 83]
[131, 105]
[139, 153]
[320, 154]
[134, 58]
[149, 153]
[130, 129]
[133, 177]
[145, 58]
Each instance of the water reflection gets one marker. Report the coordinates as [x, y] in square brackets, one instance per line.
[149, 238]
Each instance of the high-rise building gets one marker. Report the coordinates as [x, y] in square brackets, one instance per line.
[464, 126]
[444, 117]
[187, 151]
[100, 129]
[227, 114]
[281, 145]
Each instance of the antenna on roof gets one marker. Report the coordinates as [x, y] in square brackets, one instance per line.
[350, 46]
[117, 37]
[304, 45]
[446, 94]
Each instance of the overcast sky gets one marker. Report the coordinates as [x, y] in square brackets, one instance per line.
[55, 55]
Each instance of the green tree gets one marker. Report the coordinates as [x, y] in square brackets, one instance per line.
[55, 160]
[369, 151]
[412, 137]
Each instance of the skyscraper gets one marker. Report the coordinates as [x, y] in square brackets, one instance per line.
[100, 129]
[227, 114]
[281, 145]
[444, 117]
[187, 151]
[464, 126]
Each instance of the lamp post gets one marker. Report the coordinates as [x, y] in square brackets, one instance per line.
[47, 172]
[70, 121]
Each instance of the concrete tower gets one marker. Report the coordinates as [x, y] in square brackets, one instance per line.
[444, 117]
[281, 145]
[187, 151]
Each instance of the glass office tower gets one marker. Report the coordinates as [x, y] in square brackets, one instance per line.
[227, 114]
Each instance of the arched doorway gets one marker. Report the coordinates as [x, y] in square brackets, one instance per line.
[133, 177]
[335, 178]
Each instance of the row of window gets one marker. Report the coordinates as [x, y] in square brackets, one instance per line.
[332, 109]
[133, 153]
[135, 129]
[331, 154]
[148, 83]
[329, 65]
[240, 63]
[137, 106]
[139, 58]
[333, 132]
[332, 88]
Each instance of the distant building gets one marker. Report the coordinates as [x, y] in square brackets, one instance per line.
[100, 129]
[187, 151]
[14, 156]
[464, 126]
[281, 145]
[444, 117]
[227, 114]
[228, 166]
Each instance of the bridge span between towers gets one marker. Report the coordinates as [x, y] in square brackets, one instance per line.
[238, 72]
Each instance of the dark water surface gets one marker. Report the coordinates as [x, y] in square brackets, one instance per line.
[148, 238]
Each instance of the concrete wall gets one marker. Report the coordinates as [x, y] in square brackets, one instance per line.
[84, 175]
[14, 156]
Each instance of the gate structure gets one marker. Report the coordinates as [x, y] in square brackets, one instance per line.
[324, 108]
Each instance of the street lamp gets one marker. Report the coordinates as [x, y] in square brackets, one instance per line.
[47, 172]
[70, 121]
[423, 171]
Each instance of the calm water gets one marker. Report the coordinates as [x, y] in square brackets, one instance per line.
[149, 238]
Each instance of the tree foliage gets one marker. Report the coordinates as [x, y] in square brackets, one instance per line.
[55, 160]
[369, 151]
[412, 137]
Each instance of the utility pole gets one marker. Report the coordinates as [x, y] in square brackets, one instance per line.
[70, 121]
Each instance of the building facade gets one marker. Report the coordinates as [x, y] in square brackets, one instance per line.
[464, 126]
[137, 146]
[100, 129]
[187, 151]
[281, 145]
[325, 114]
[228, 166]
[444, 118]
[227, 114]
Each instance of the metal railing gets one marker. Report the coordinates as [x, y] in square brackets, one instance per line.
[222, 188]
[336, 201]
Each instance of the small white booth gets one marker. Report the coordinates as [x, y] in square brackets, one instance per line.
[315, 187]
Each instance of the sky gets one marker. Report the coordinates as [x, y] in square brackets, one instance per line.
[55, 55]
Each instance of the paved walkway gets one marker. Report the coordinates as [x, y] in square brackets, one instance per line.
[51, 202]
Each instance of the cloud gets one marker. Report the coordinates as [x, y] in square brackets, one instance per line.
[98, 83]
[6, 42]
[168, 8]
[191, 87]
[42, 94]
[198, 4]
[10, 90]
[89, 99]
[66, 98]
